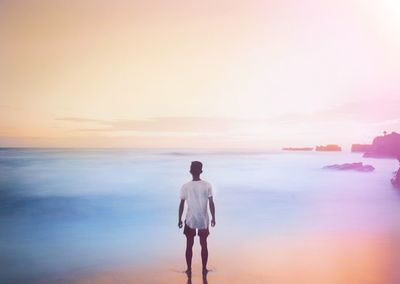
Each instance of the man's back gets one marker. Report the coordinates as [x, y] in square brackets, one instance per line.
[196, 194]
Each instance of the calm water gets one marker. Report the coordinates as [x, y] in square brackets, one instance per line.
[64, 211]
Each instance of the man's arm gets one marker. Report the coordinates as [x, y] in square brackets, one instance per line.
[181, 206]
[212, 210]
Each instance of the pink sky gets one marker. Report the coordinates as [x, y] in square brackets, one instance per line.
[209, 74]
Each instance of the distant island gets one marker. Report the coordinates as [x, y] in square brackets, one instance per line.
[329, 148]
[298, 149]
[386, 146]
[360, 148]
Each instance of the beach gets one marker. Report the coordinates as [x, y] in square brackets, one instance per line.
[110, 216]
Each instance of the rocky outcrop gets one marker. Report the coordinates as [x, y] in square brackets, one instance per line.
[395, 182]
[328, 148]
[385, 146]
[361, 147]
[298, 149]
[360, 167]
[396, 179]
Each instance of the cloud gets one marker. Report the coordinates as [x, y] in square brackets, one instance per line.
[159, 124]
[368, 112]
[8, 107]
[80, 119]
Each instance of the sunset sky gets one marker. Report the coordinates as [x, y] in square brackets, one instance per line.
[207, 74]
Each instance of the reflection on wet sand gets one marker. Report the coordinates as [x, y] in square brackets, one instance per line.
[204, 278]
[284, 259]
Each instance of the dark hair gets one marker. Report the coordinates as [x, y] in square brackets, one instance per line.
[196, 166]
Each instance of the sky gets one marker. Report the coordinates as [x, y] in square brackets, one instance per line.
[198, 74]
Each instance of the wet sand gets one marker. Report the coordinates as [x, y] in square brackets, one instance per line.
[307, 259]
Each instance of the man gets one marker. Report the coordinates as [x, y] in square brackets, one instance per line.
[197, 194]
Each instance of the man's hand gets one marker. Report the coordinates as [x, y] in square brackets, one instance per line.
[180, 212]
[212, 210]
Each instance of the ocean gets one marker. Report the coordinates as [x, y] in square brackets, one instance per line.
[70, 211]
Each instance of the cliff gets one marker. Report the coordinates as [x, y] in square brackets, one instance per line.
[385, 146]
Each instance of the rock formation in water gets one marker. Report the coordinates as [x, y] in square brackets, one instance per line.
[396, 179]
[385, 146]
[298, 149]
[328, 148]
[361, 147]
[351, 166]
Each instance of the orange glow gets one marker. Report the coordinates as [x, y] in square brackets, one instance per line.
[290, 259]
[281, 71]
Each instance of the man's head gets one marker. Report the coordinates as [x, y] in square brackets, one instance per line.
[196, 168]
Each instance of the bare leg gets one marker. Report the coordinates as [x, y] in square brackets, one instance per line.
[204, 278]
[204, 252]
[189, 253]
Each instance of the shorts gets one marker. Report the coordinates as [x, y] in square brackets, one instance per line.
[189, 232]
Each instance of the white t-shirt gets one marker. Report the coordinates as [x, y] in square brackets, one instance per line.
[196, 194]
